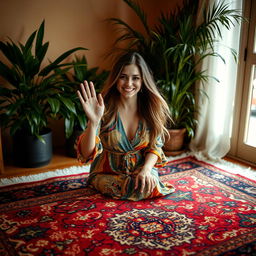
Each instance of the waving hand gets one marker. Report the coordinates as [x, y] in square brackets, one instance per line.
[93, 106]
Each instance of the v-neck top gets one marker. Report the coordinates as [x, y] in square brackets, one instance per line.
[123, 129]
[115, 154]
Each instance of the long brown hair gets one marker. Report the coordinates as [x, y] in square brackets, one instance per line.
[153, 109]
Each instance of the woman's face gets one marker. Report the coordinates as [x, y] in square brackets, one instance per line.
[129, 82]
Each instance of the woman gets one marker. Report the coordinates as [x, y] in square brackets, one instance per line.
[123, 138]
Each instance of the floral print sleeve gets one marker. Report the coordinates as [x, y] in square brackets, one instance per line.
[98, 149]
[157, 150]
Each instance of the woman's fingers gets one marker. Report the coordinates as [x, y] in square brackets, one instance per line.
[83, 91]
[92, 90]
[142, 185]
[93, 106]
[149, 186]
[146, 184]
[100, 99]
[136, 182]
[80, 97]
[152, 185]
[87, 89]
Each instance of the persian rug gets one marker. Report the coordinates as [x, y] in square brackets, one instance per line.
[211, 212]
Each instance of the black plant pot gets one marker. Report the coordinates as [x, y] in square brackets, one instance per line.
[30, 152]
[70, 143]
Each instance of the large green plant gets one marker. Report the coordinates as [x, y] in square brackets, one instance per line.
[79, 73]
[33, 93]
[175, 48]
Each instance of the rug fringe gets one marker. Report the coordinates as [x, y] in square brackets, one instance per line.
[45, 175]
[220, 163]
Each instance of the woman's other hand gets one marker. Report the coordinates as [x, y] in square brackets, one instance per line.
[93, 106]
[145, 181]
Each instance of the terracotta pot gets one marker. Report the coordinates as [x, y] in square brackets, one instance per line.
[174, 145]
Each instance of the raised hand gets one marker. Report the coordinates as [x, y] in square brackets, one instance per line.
[93, 106]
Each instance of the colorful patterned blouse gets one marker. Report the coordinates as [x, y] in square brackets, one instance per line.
[116, 161]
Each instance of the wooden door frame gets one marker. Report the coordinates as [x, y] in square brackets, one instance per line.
[241, 80]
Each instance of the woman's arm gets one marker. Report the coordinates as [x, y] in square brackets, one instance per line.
[94, 108]
[87, 142]
[144, 177]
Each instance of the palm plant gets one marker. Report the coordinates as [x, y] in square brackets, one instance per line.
[175, 48]
[33, 94]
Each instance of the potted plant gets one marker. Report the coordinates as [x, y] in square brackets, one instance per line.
[175, 48]
[32, 95]
[75, 121]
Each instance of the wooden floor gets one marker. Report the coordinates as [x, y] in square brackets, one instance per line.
[241, 163]
[61, 161]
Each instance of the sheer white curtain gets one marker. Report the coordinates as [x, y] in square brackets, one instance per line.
[212, 139]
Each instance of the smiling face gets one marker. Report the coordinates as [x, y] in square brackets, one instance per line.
[129, 82]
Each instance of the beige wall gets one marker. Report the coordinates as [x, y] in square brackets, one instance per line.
[74, 23]
[71, 24]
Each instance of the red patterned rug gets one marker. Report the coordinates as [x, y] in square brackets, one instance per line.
[212, 212]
